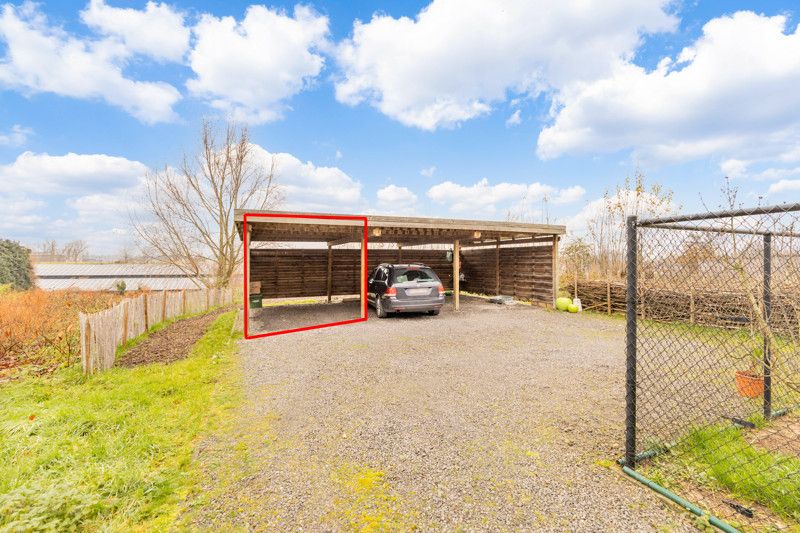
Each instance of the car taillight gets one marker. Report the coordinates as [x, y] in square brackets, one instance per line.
[391, 291]
[441, 289]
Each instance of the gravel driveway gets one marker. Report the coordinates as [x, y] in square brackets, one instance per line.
[495, 417]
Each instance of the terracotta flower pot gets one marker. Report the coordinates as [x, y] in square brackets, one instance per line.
[750, 385]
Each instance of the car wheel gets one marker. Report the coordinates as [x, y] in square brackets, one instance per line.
[379, 310]
[434, 312]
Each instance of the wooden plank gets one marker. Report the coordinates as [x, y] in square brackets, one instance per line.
[363, 271]
[456, 274]
[330, 272]
[497, 268]
[555, 269]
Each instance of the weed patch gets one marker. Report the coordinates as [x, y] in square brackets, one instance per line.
[110, 451]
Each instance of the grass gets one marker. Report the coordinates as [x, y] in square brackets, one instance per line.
[112, 451]
[721, 457]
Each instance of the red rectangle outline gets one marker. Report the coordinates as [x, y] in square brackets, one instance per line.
[246, 281]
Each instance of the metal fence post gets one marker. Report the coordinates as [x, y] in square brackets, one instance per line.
[767, 313]
[630, 372]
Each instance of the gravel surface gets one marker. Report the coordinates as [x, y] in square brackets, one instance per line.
[496, 417]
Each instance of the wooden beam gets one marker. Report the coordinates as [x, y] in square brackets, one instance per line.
[363, 277]
[345, 240]
[399, 253]
[330, 272]
[456, 273]
[555, 269]
[497, 268]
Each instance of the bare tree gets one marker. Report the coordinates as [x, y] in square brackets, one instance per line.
[188, 211]
[606, 229]
[49, 249]
[125, 255]
[75, 250]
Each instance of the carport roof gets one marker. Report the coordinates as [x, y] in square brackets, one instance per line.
[394, 229]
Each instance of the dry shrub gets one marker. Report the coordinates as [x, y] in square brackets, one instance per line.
[41, 327]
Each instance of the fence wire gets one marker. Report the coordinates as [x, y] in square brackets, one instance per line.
[714, 361]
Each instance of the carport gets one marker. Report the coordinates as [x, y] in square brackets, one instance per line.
[511, 258]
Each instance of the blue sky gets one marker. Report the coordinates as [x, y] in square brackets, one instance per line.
[449, 108]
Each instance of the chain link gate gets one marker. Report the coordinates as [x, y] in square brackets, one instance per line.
[713, 362]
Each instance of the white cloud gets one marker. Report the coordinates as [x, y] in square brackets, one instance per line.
[307, 187]
[732, 94]
[20, 212]
[46, 174]
[43, 58]
[514, 120]
[734, 168]
[478, 198]
[784, 186]
[249, 69]
[16, 137]
[428, 172]
[569, 195]
[484, 198]
[457, 58]
[158, 31]
[394, 199]
[776, 173]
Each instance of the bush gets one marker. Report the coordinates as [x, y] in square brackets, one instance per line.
[41, 327]
[120, 286]
[15, 265]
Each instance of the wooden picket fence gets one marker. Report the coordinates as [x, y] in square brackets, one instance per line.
[103, 332]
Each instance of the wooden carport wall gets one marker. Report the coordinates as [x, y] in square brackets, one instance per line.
[402, 231]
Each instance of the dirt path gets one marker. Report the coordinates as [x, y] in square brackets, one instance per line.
[492, 418]
[171, 343]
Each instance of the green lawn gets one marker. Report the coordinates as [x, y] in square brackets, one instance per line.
[721, 457]
[111, 451]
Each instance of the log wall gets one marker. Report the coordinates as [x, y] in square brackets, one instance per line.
[292, 272]
[525, 272]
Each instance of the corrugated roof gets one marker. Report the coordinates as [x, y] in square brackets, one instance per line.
[105, 270]
[103, 277]
[108, 284]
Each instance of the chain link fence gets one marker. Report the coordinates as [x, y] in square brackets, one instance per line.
[713, 361]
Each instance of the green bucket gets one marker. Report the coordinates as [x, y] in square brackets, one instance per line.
[255, 300]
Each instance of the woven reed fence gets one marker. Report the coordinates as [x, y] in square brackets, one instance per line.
[105, 331]
[709, 308]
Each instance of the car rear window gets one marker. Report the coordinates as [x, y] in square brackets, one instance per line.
[404, 274]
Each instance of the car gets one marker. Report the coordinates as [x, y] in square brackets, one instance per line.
[408, 288]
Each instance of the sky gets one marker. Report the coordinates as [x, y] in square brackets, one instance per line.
[450, 108]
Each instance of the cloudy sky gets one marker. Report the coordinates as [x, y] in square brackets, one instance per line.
[456, 108]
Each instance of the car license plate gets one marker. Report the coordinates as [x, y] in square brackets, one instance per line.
[418, 292]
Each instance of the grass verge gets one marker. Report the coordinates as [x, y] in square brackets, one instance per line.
[721, 457]
[111, 451]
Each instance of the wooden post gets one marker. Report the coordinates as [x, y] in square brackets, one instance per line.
[163, 305]
[125, 321]
[555, 270]
[330, 272]
[456, 273]
[146, 324]
[399, 253]
[608, 295]
[363, 300]
[497, 268]
[183, 301]
[89, 368]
